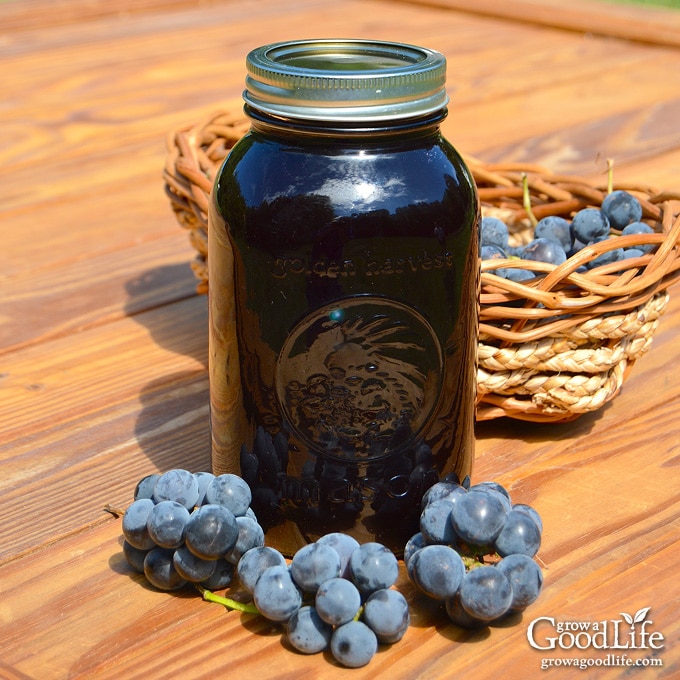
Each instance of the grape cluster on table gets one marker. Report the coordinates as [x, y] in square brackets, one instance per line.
[199, 528]
[556, 238]
[335, 594]
[474, 552]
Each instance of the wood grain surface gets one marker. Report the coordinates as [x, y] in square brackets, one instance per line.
[103, 340]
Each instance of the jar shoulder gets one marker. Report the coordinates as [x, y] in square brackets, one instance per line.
[422, 168]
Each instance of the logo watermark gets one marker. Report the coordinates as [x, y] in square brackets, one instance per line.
[629, 641]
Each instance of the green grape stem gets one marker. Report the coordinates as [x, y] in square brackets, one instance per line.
[227, 602]
[526, 200]
[477, 556]
[610, 175]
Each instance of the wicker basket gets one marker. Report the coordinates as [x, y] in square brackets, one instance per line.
[549, 350]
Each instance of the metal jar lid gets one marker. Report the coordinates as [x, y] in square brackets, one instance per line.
[345, 80]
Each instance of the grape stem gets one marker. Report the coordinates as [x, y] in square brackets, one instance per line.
[526, 200]
[227, 602]
[112, 509]
[610, 175]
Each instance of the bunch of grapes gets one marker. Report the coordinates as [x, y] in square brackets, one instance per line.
[335, 594]
[556, 238]
[189, 528]
[475, 551]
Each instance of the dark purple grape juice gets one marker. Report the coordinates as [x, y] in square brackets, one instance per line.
[354, 256]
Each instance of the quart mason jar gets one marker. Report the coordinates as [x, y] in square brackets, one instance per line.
[343, 277]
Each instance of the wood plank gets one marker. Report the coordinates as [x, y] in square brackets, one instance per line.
[651, 24]
[569, 128]
[648, 24]
[87, 102]
[103, 287]
[88, 414]
[20, 15]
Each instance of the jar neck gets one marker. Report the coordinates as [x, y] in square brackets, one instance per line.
[416, 126]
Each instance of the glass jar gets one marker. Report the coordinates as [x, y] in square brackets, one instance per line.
[343, 286]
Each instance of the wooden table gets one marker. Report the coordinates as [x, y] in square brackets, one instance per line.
[104, 347]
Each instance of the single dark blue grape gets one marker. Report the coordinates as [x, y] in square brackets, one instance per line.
[515, 251]
[411, 564]
[621, 208]
[313, 564]
[167, 524]
[230, 491]
[275, 595]
[281, 447]
[532, 512]
[250, 535]
[639, 228]
[307, 632]
[353, 644]
[577, 247]
[478, 517]
[192, 568]
[435, 522]
[544, 250]
[459, 616]
[160, 571]
[453, 478]
[607, 257]
[493, 486]
[525, 577]
[203, 479]
[494, 489]
[337, 601]
[423, 455]
[372, 567]
[520, 535]
[492, 252]
[438, 571]
[177, 485]
[485, 593]
[387, 614]
[557, 229]
[443, 490]
[249, 466]
[269, 463]
[493, 231]
[222, 576]
[630, 253]
[518, 275]
[145, 486]
[590, 225]
[135, 522]
[211, 532]
[255, 562]
[344, 545]
[134, 556]
[415, 543]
